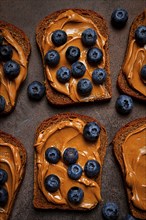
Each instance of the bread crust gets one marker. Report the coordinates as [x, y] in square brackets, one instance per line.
[7, 138]
[39, 200]
[117, 143]
[122, 82]
[23, 41]
[53, 96]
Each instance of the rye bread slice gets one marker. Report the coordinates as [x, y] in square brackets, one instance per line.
[7, 138]
[23, 41]
[39, 200]
[117, 143]
[122, 82]
[53, 96]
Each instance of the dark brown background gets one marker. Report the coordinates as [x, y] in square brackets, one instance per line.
[27, 116]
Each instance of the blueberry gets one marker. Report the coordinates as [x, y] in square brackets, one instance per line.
[52, 58]
[78, 69]
[52, 183]
[143, 72]
[59, 38]
[52, 155]
[72, 54]
[11, 69]
[99, 76]
[1, 40]
[92, 168]
[70, 155]
[129, 217]
[63, 74]
[124, 104]
[94, 56]
[2, 103]
[91, 131]
[89, 37]
[119, 17]
[84, 87]
[36, 90]
[3, 196]
[5, 52]
[74, 171]
[140, 35]
[110, 211]
[3, 176]
[75, 195]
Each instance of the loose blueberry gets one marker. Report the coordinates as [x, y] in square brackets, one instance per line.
[74, 171]
[52, 183]
[2, 103]
[94, 56]
[3, 176]
[52, 155]
[63, 74]
[99, 76]
[3, 196]
[129, 217]
[89, 37]
[84, 87]
[72, 54]
[78, 69]
[52, 58]
[140, 35]
[75, 195]
[143, 72]
[36, 90]
[70, 155]
[1, 40]
[59, 38]
[110, 211]
[124, 104]
[91, 131]
[5, 52]
[11, 69]
[92, 168]
[119, 18]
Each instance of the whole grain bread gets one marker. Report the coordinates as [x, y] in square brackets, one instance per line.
[7, 138]
[23, 41]
[53, 96]
[117, 143]
[39, 200]
[122, 82]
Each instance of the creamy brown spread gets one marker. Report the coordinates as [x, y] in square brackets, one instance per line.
[10, 161]
[62, 135]
[135, 60]
[73, 24]
[134, 154]
[8, 89]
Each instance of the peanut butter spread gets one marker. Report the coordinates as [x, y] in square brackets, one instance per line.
[73, 24]
[10, 161]
[62, 135]
[135, 60]
[134, 154]
[8, 89]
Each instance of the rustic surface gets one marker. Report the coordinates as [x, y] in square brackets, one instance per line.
[27, 116]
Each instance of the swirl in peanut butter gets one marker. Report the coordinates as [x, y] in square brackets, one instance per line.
[73, 24]
[62, 135]
[134, 154]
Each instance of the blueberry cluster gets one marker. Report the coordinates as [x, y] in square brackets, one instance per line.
[3, 191]
[78, 69]
[74, 170]
[11, 68]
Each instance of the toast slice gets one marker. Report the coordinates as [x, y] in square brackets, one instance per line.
[20, 44]
[70, 20]
[62, 131]
[12, 160]
[129, 80]
[130, 151]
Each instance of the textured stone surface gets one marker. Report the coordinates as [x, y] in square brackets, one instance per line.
[23, 121]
